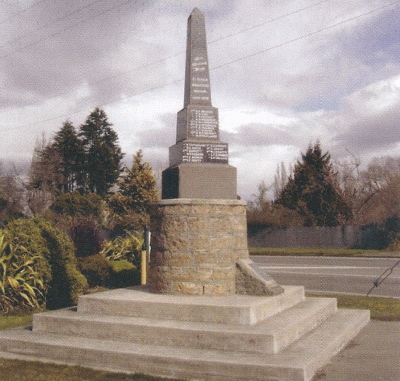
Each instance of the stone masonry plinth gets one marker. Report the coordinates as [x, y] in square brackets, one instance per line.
[195, 245]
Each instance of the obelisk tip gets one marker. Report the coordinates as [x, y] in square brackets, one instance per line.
[196, 12]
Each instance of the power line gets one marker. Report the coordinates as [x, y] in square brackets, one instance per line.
[21, 12]
[183, 52]
[268, 21]
[47, 25]
[219, 66]
[66, 28]
[305, 35]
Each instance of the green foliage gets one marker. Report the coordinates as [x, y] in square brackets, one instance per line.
[126, 247]
[86, 236]
[313, 191]
[89, 159]
[25, 235]
[102, 154]
[22, 277]
[67, 282]
[97, 269]
[70, 150]
[124, 274]
[137, 189]
[11, 196]
[54, 265]
[75, 204]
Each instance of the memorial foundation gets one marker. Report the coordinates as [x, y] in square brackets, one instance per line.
[196, 245]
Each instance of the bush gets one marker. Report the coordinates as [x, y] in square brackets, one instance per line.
[97, 269]
[86, 237]
[100, 271]
[55, 264]
[25, 236]
[24, 276]
[124, 274]
[67, 282]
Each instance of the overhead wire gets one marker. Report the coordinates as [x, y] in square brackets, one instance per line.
[21, 12]
[183, 52]
[70, 26]
[218, 66]
[13, 41]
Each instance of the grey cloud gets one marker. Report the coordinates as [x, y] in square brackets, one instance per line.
[258, 134]
[164, 137]
[372, 133]
[72, 50]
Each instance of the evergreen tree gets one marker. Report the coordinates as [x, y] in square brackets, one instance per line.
[137, 189]
[313, 190]
[46, 168]
[70, 150]
[102, 153]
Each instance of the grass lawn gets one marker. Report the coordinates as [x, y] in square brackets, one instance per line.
[321, 252]
[386, 309]
[15, 370]
[15, 320]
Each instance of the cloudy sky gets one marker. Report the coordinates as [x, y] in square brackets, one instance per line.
[284, 74]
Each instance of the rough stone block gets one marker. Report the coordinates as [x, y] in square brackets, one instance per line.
[196, 242]
[188, 288]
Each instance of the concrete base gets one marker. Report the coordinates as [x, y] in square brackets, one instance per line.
[286, 337]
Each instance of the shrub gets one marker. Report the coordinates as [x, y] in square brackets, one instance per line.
[100, 271]
[22, 278]
[124, 274]
[86, 237]
[97, 269]
[25, 235]
[55, 263]
[67, 282]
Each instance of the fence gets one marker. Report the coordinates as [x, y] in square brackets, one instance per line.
[365, 237]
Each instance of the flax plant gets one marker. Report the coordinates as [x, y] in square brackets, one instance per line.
[21, 286]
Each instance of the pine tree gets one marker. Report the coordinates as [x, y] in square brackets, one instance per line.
[70, 150]
[137, 189]
[313, 190]
[102, 153]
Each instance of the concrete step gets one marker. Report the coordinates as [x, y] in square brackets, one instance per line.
[298, 362]
[268, 336]
[228, 309]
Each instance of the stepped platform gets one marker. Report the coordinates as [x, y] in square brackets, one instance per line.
[286, 337]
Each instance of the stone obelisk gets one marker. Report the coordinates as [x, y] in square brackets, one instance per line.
[198, 162]
[199, 229]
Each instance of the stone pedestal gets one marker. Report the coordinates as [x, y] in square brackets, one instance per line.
[195, 246]
[199, 180]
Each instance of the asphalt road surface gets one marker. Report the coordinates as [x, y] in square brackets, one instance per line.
[333, 274]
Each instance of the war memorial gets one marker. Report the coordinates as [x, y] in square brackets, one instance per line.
[207, 312]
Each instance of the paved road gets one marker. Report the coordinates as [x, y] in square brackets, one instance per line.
[333, 274]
